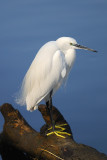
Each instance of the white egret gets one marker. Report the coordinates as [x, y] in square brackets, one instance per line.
[47, 72]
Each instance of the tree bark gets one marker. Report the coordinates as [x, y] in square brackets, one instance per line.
[20, 141]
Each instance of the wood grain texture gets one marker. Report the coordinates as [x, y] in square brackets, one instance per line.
[20, 141]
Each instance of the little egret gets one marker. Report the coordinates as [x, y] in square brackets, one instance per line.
[47, 72]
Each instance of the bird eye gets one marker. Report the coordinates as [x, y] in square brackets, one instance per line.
[71, 43]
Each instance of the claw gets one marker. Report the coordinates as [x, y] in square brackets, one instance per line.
[59, 132]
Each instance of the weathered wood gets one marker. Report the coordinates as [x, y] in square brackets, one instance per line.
[20, 141]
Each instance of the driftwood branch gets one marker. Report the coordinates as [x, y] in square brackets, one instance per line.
[20, 141]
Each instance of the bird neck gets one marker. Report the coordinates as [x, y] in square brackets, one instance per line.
[70, 57]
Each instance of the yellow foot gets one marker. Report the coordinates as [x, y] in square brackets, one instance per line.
[59, 132]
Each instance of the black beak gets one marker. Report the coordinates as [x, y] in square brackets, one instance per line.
[83, 47]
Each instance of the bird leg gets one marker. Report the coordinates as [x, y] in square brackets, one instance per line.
[61, 129]
[49, 107]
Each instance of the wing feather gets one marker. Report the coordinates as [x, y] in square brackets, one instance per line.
[45, 73]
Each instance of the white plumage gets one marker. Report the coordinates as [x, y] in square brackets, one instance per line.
[48, 71]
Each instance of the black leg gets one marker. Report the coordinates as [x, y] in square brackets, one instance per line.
[49, 107]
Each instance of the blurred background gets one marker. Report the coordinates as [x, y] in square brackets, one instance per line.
[25, 25]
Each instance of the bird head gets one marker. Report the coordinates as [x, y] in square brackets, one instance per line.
[66, 43]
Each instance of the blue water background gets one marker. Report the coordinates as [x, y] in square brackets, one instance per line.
[25, 25]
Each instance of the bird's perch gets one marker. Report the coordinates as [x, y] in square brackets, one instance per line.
[20, 141]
